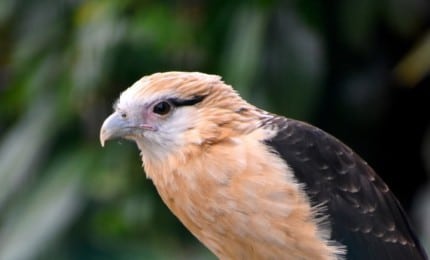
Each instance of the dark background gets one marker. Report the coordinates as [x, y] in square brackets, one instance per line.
[357, 69]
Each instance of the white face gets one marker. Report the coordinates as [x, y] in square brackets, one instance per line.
[156, 124]
[162, 112]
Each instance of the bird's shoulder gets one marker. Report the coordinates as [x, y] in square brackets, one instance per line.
[363, 214]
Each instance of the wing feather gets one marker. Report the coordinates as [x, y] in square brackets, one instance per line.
[364, 215]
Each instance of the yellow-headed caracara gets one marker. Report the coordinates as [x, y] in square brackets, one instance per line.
[253, 185]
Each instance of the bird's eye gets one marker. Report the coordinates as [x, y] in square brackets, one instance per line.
[162, 108]
[123, 115]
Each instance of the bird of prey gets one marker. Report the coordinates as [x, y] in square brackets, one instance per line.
[254, 185]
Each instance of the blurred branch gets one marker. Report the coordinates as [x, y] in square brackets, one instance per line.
[243, 49]
[416, 64]
[53, 203]
[24, 145]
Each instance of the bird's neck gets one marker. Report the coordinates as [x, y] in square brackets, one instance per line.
[240, 201]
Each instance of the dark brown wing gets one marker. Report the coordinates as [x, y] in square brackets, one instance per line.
[363, 213]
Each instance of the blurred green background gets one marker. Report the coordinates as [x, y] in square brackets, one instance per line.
[357, 69]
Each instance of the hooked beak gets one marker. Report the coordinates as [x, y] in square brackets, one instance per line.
[114, 127]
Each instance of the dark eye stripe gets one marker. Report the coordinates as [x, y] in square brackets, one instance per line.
[186, 102]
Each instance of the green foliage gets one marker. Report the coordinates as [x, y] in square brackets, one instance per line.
[62, 65]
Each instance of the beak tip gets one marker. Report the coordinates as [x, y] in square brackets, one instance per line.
[102, 141]
[103, 137]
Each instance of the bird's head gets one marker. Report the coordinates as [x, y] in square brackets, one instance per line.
[167, 112]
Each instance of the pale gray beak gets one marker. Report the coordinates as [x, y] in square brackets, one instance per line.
[115, 127]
